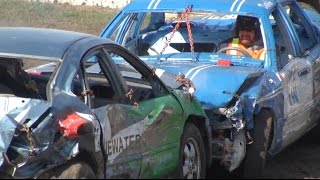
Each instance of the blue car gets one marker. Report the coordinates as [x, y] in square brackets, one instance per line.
[256, 106]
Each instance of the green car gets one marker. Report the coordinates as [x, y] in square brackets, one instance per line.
[81, 106]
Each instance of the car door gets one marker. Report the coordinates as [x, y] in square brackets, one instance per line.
[296, 73]
[137, 111]
[310, 51]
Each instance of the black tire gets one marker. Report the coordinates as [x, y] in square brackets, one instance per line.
[192, 166]
[71, 170]
[257, 151]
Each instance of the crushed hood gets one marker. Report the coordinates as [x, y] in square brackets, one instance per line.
[212, 81]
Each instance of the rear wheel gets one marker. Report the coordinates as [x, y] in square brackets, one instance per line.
[71, 170]
[192, 154]
[257, 151]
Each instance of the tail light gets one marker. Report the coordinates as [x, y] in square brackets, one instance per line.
[71, 125]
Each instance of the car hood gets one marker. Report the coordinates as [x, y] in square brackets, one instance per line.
[215, 85]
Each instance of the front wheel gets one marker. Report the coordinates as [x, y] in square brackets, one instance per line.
[257, 151]
[192, 163]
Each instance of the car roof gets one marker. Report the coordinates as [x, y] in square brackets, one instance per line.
[43, 42]
[247, 6]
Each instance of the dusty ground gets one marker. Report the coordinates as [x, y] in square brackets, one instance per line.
[300, 160]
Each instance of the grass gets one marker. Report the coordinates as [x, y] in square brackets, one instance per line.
[85, 19]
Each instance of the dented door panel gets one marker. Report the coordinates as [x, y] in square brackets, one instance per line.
[141, 132]
[161, 139]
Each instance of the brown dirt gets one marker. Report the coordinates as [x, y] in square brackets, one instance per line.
[300, 160]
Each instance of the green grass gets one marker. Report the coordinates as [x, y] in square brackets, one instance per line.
[58, 16]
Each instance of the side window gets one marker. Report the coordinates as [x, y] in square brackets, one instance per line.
[303, 30]
[129, 34]
[123, 31]
[97, 86]
[115, 32]
[140, 86]
[110, 78]
[137, 76]
[283, 45]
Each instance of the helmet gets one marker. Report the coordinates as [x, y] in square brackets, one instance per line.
[247, 22]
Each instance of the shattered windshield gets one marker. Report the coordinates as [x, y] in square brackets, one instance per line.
[167, 33]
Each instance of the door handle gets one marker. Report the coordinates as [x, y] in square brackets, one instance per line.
[304, 72]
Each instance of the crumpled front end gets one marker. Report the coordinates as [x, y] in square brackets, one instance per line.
[229, 135]
[232, 124]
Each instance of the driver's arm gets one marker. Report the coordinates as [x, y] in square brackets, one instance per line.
[223, 44]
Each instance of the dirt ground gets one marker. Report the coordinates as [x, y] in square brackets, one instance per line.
[301, 160]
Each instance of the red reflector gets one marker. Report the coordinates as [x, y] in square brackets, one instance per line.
[70, 125]
[224, 62]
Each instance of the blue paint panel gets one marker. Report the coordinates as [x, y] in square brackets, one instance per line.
[211, 80]
[255, 6]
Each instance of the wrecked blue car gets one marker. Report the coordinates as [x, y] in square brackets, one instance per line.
[256, 106]
[75, 105]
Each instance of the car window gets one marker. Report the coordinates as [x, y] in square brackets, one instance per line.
[155, 35]
[123, 29]
[130, 30]
[161, 32]
[140, 86]
[103, 70]
[98, 87]
[283, 41]
[304, 32]
[26, 77]
[135, 72]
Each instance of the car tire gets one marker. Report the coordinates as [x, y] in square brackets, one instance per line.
[192, 154]
[256, 155]
[71, 170]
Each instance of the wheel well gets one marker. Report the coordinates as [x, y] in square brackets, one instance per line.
[89, 159]
[83, 156]
[272, 126]
[201, 124]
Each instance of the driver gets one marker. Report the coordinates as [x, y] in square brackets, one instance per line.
[247, 38]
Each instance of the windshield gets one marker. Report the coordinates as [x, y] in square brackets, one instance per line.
[168, 33]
